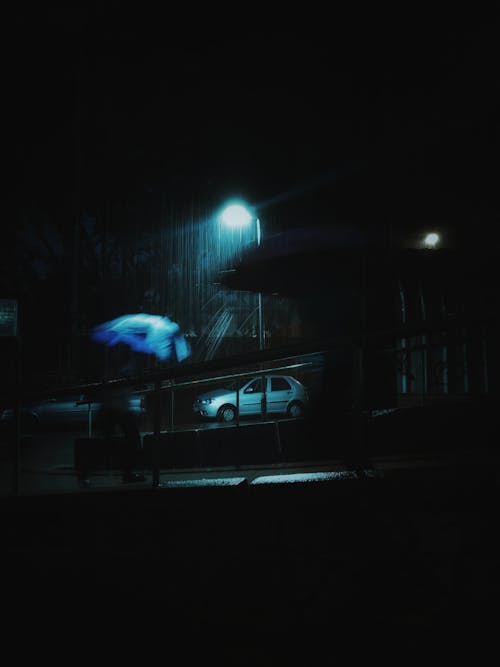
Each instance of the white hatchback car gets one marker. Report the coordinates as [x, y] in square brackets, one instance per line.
[269, 394]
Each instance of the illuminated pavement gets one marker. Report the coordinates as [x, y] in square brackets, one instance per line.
[61, 478]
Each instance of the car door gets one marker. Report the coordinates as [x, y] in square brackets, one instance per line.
[58, 411]
[74, 410]
[279, 394]
[251, 396]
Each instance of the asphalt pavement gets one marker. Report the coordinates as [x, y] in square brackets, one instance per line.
[253, 561]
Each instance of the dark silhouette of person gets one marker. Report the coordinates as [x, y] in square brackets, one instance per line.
[116, 421]
[116, 418]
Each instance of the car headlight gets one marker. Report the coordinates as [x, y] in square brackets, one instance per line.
[206, 401]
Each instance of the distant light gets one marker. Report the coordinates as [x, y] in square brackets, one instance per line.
[431, 240]
[236, 215]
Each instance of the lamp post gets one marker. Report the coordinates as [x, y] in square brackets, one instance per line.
[237, 215]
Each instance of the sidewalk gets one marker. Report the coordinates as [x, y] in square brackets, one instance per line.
[62, 479]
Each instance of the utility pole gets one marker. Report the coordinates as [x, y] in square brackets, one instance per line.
[74, 303]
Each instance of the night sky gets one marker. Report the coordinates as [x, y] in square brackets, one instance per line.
[371, 118]
[344, 113]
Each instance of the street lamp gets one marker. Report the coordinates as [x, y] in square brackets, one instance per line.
[431, 240]
[236, 215]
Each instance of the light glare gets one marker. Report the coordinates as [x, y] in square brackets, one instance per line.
[431, 240]
[235, 215]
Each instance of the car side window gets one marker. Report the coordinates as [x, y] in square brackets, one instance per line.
[279, 384]
[254, 386]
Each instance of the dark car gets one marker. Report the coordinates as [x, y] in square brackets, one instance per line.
[72, 410]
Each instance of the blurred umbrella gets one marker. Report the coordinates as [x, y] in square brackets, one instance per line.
[150, 334]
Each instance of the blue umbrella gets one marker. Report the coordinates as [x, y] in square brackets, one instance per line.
[150, 334]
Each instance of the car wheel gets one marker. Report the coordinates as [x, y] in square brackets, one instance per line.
[227, 413]
[295, 409]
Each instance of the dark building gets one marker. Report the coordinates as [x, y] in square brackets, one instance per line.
[402, 327]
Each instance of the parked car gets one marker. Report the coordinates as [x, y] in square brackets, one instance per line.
[64, 411]
[283, 394]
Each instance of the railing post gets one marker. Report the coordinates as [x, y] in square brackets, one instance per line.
[89, 421]
[17, 446]
[237, 406]
[172, 399]
[263, 404]
[17, 420]
[155, 467]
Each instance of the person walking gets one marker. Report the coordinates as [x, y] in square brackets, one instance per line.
[117, 423]
[116, 418]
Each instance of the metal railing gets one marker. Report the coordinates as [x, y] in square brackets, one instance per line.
[176, 378]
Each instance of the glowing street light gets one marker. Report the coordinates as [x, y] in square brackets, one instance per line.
[431, 240]
[236, 216]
